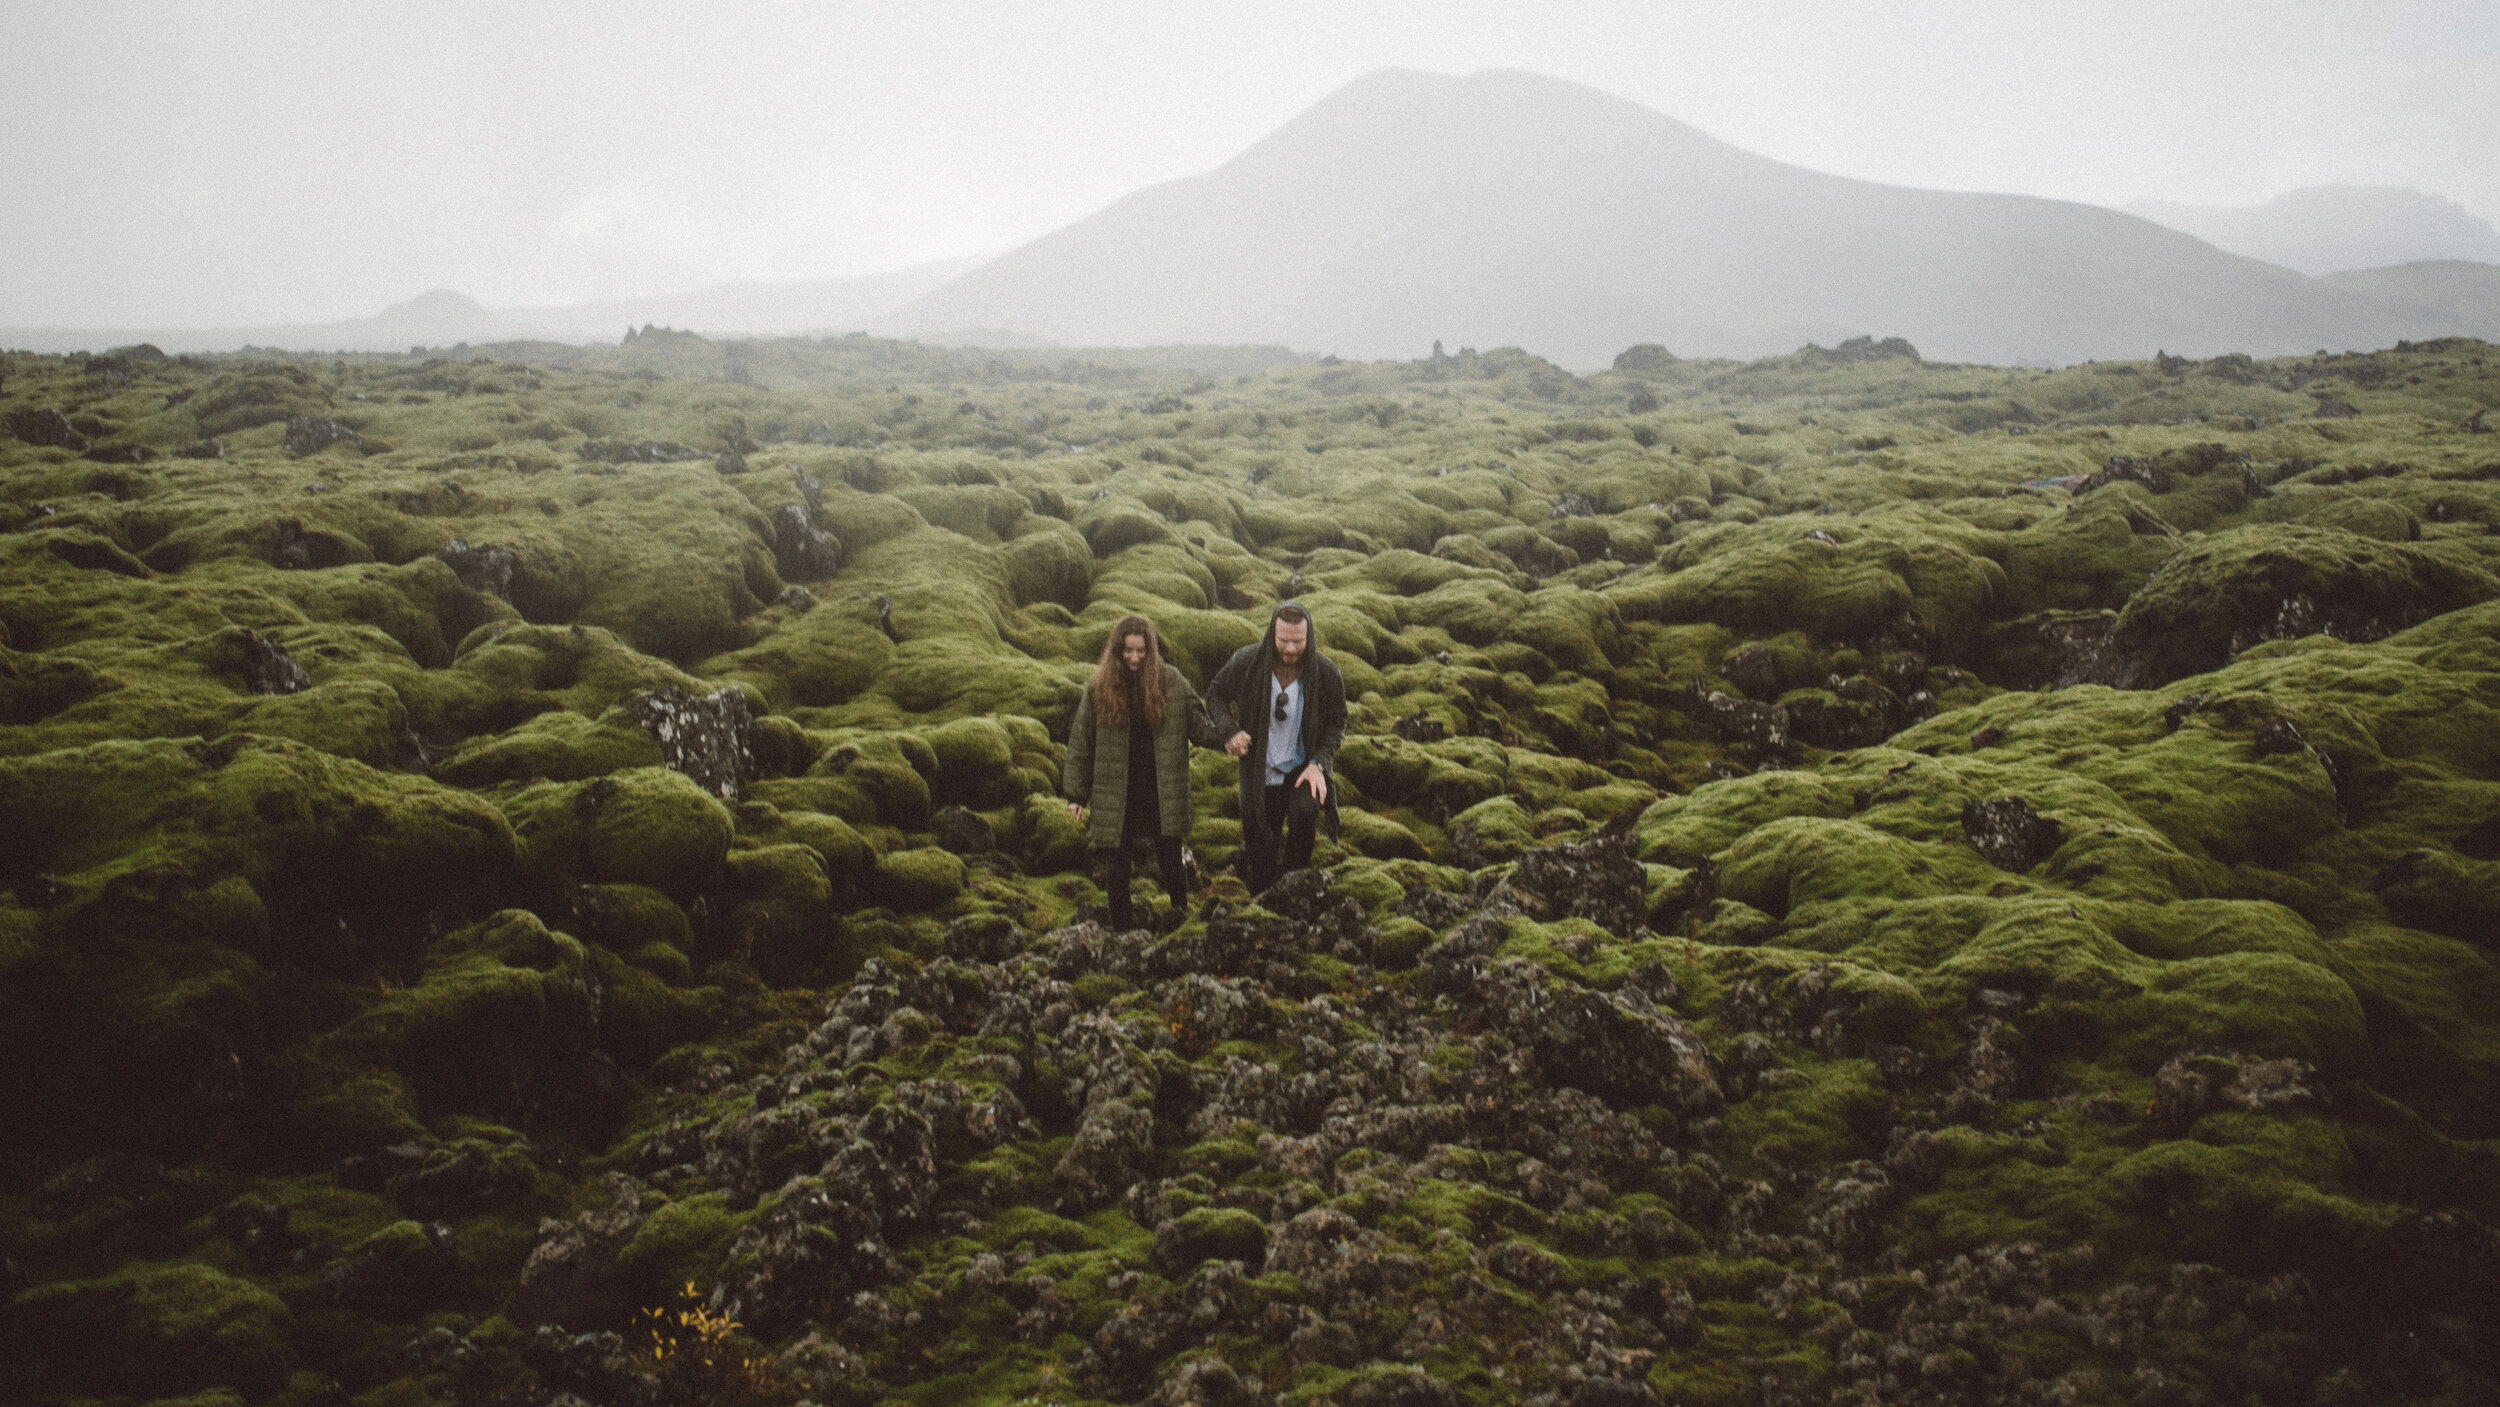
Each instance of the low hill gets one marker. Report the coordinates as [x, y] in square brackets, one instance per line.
[1508, 208]
[2460, 289]
[2323, 229]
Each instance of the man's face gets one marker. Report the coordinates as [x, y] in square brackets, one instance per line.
[1291, 636]
[1133, 652]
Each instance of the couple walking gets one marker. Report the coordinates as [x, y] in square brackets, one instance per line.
[1278, 706]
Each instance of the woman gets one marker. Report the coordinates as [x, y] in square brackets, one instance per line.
[1128, 760]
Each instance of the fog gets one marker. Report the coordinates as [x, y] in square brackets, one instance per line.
[221, 164]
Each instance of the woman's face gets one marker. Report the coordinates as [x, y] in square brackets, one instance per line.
[1133, 652]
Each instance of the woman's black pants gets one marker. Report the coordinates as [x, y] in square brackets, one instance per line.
[1167, 859]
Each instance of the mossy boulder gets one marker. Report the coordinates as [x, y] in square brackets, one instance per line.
[502, 1019]
[1379, 837]
[155, 1329]
[1209, 1233]
[781, 918]
[2255, 584]
[924, 878]
[644, 825]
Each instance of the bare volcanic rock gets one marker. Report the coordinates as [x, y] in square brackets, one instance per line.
[804, 551]
[2008, 834]
[706, 738]
[269, 669]
[311, 434]
[45, 426]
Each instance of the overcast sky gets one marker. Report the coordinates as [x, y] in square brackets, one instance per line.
[176, 164]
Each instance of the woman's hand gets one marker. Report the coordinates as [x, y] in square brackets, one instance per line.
[1076, 811]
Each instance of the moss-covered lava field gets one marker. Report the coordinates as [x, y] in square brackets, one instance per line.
[532, 875]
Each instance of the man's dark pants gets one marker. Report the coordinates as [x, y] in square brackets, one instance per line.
[1291, 820]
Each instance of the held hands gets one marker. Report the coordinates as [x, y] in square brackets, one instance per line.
[1316, 780]
[1238, 745]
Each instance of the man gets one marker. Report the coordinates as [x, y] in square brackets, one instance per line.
[1280, 704]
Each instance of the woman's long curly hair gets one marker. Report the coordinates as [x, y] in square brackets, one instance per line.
[1110, 682]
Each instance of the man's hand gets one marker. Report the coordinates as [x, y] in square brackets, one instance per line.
[1316, 780]
[1076, 812]
[1238, 745]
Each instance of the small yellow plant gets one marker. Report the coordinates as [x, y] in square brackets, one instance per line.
[703, 1358]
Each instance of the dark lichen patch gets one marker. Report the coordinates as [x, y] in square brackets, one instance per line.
[1833, 896]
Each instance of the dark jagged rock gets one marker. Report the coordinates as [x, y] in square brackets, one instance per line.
[804, 551]
[1437, 909]
[485, 570]
[46, 427]
[2008, 834]
[119, 454]
[2127, 469]
[1598, 879]
[2332, 409]
[1760, 729]
[1306, 896]
[705, 738]
[2193, 1084]
[1204, 1382]
[1420, 728]
[601, 1366]
[825, 1238]
[210, 448]
[311, 434]
[269, 669]
[1574, 504]
[2280, 737]
[2186, 708]
[1612, 1044]
[572, 1277]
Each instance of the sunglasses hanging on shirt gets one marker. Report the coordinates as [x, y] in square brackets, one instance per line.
[1280, 705]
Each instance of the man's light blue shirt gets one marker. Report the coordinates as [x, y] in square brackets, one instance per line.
[1284, 736]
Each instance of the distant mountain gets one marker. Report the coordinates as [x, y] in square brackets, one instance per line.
[2452, 288]
[443, 318]
[2323, 229]
[1511, 208]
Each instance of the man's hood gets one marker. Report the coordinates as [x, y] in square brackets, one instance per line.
[1309, 649]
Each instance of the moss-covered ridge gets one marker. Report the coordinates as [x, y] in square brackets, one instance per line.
[1734, 980]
